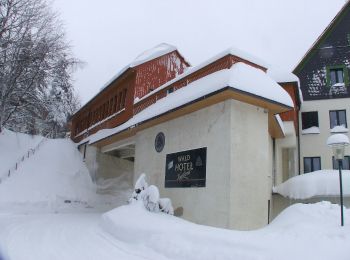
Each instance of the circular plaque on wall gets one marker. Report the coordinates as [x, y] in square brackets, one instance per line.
[159, 142]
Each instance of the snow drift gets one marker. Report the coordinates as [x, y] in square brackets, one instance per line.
[318, 183]
[54, 173]
[287, 237]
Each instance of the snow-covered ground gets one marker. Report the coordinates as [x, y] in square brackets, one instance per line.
[36, 223]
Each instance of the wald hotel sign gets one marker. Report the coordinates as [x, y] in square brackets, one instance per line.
[186, 168]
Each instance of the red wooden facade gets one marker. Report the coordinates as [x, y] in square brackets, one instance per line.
[114, 104]
[292, 115]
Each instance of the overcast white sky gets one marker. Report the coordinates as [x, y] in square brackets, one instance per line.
[109, 34]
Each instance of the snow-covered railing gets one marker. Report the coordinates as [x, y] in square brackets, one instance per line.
[20, 160]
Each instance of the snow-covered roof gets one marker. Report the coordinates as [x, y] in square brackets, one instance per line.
[150, 54]
[240, 77]
[323, 34]
[230, 51]
[281, 76]
[280, 123]
[153, 53]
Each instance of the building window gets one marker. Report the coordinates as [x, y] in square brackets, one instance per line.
[346, 163]
[312, 164]
[337, 74]
[170, 90]
[337, 118]
[309, 119]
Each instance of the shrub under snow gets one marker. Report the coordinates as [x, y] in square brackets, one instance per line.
[149, 195]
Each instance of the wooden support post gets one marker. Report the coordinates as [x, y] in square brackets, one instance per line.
[16, 167]
[9, 173]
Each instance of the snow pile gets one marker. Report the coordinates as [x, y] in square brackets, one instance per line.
[54, 174]
[318, 183]
[13, 146]
[311, 130]
[149, 195]
[240, 77]
[287, 237]
[153, 53]
[339, 129]
[338, 139]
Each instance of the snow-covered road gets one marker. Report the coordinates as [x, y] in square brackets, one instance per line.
[63, 236]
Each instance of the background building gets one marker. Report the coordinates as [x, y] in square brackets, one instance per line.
[324, 82]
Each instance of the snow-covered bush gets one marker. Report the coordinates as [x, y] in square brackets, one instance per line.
[150, 197]
[166, 206]
[140, 186]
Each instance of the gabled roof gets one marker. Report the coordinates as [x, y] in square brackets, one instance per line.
[148, 55]
[324, 34]
[246, 83]
[230, 51]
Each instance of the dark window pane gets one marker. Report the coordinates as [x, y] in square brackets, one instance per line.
[342, 117]
[337, 117]
[336, 76]
[333, 77]
[340, 76]
[309, 119]
[307, 164]
[316, 164]
[346, 163]
[333, 118]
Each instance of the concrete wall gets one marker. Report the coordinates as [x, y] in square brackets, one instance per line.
[314, 145]
[105, 166]
[250, 167]
[238, 164]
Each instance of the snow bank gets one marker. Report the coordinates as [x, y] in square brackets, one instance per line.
[239, 77]
[13, 146]
[287, 237]
[311, 130]
[339, 129]
[338, 139]
[54, 173]
[318, 183]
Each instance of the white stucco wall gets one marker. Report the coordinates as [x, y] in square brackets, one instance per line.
[238, 169]
[105, 166]
[314, 145]
[250, 167]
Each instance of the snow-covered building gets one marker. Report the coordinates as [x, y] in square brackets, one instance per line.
[214, 138]
[325, 86]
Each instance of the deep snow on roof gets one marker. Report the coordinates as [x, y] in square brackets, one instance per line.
[240, 76]
[282, 76]
[153, 53]
[230, 51]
